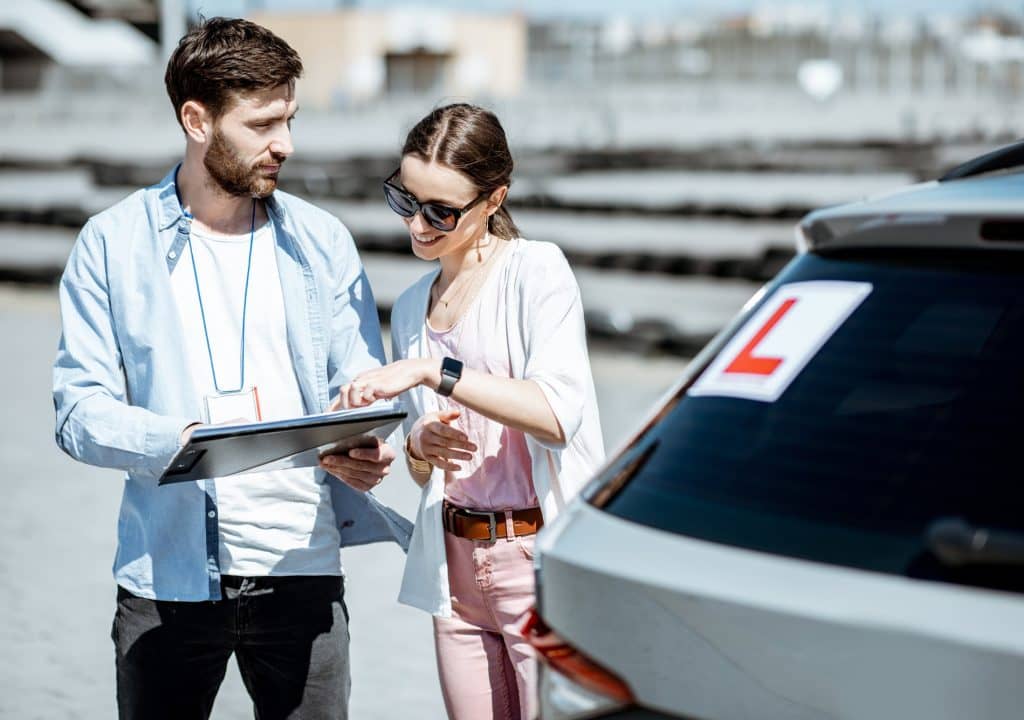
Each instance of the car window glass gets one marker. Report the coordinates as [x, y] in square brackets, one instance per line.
[907, 415]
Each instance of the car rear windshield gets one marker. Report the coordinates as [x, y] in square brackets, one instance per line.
[902, 425]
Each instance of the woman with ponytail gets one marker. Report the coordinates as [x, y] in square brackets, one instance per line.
[491, 358]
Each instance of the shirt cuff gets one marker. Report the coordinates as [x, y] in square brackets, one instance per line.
[163, 440]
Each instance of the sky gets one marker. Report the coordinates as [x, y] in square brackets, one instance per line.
[599, 8]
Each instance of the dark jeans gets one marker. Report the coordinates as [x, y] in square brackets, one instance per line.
[290, 635]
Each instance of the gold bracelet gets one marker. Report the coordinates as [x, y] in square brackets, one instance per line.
[420, 467]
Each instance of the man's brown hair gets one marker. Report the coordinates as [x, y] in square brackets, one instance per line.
[223, 56]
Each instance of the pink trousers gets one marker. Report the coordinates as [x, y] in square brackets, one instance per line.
[487, 669]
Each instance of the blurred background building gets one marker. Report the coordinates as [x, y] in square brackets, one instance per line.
[937, 54]
[677, 140]
[52, 44]
[359, 52]
[357, 55]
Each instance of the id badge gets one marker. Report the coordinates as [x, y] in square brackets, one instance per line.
[233, 406]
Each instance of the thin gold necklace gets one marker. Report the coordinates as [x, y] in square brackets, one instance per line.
[466, 285]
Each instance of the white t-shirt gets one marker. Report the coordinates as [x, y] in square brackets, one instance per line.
[272, 523]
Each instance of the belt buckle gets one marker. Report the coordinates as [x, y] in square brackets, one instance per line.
[492, 522]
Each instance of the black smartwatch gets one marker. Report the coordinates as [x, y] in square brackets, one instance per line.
[451, 371]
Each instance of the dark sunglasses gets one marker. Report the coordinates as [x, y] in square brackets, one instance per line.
[438, 215]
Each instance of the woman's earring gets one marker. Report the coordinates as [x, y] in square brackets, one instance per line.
[484, 240]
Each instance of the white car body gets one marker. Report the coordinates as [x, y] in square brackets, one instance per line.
[704, 630]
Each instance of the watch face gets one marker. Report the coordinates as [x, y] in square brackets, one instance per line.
[451, 366]
[451, 371]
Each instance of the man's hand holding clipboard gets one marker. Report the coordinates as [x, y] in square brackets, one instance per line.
[361, 468]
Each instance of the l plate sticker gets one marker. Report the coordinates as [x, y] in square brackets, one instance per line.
[774, 346]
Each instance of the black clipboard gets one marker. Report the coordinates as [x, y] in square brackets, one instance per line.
[222, 450]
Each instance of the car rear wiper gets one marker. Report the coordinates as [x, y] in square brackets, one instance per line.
[954, 541]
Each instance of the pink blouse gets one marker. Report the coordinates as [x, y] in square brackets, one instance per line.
[498, 477]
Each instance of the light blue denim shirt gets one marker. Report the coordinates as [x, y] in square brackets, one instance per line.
[123, 391]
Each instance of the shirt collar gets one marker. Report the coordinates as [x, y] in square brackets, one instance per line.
[170, 207]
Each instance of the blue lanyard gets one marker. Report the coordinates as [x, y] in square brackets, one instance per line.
[245, 306]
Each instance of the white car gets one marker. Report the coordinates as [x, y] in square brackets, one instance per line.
[825, 517]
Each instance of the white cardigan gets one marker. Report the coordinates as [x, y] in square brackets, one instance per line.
[543, 318]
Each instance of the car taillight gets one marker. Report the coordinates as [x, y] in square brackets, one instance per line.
[567, 660]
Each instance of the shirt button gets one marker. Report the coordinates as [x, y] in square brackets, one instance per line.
[211, 514]
[172, 254]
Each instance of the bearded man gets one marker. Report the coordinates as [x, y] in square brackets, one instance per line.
[205, 293]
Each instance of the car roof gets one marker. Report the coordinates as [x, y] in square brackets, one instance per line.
[979, 204]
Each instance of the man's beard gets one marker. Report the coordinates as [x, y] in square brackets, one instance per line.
[232, 174]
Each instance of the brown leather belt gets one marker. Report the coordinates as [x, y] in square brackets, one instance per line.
[490, 525]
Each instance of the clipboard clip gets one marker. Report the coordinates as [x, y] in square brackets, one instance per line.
[185, 461]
